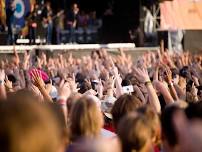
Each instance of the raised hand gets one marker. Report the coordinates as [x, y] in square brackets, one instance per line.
[142, 75]
[2, 87]
[16, 59]
[37, 79]
[72, 83]
[64, 90]
[39, 63]
[26, 60]
[2, 75]
[100, 89]
[168, 76]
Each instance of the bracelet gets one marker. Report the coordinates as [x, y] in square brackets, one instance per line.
[170, 84]
[61, 100]
[147, 82]
[1, 82]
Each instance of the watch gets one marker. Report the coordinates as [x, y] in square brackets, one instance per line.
[170, 84]
[1, 82]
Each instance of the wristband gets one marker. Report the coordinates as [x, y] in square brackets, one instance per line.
[147, 82]
[1, 82]
[61, 100]
[170, 84]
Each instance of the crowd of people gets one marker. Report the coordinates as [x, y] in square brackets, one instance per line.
[101, 102]
[45, 22]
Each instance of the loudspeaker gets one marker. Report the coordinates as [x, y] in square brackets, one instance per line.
[193, 40]
[163, 35]
[125, 17]
[3, 38]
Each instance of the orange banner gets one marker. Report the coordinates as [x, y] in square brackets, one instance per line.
[181, 14]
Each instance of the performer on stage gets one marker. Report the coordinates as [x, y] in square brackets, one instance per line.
[72, 18]
[47, 21]
[32, 24]
[10, 9]
[2, 16]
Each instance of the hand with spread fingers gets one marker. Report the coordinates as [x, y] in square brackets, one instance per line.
[142, 75]
[37, 79]
[64, 90]
[72, 84]
[39, 83]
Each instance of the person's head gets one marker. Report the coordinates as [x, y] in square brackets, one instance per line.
[28, 126]
[135, 133]
[124, 105]
[175, 75]
[75, 7]
[86, 119]
[48, 4]
[194, 111]
[23, 95]
[72, 100]
[64, 130]
[199, 93]
[154, 122]
[169, 137]
[84, 86]
[184, 72]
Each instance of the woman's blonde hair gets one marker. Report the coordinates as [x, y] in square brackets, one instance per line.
[28, 126]
[85, 119]
[134, 133]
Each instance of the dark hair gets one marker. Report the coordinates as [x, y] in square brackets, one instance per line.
[189, 85]
[167, 124]
[12, 78]
[80, 77]
[126, 82]
[194, 110]
[184, 72]
[175, 72]
[124, 105]
[84, 86]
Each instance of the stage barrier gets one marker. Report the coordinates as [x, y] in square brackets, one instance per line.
[75, 47]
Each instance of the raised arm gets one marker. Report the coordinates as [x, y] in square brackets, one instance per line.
[143, 77]
[39, 83]
[168, 79]
[2, 87]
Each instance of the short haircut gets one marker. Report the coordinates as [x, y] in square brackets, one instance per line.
[194, 111]
[124, 105]
[167, 125]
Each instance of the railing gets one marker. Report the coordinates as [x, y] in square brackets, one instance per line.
[65, 47]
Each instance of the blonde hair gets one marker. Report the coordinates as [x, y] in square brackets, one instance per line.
[154, 122]
[134, 133]
[85, 119]
[28, 126]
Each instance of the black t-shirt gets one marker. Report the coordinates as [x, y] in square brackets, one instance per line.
[71, 16]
